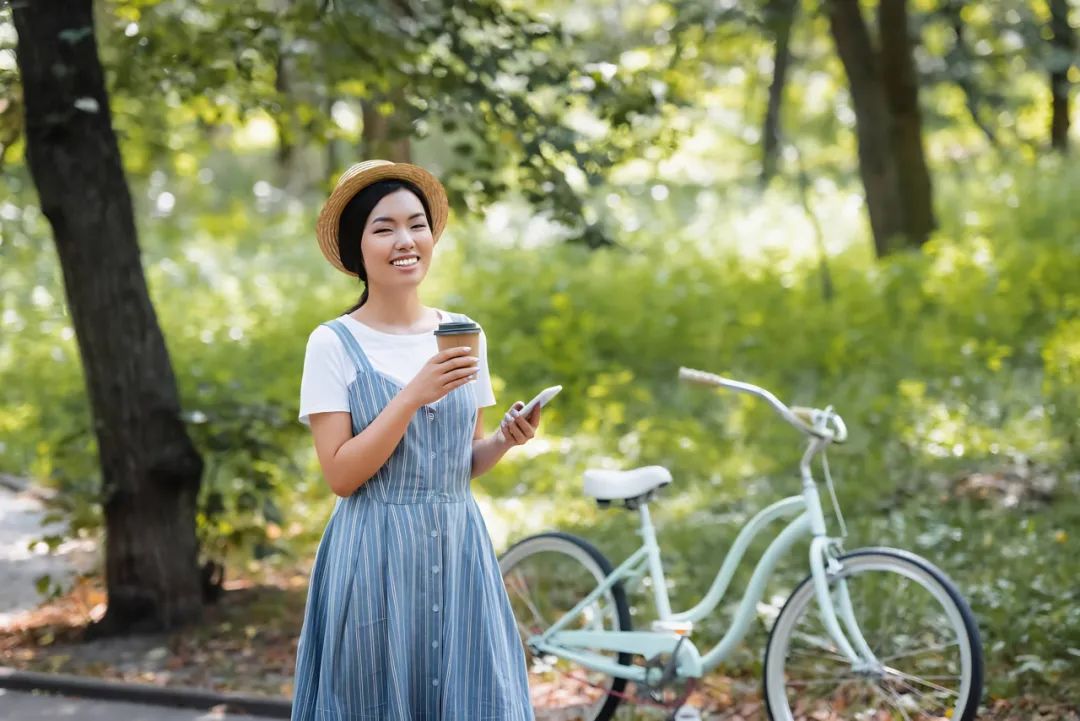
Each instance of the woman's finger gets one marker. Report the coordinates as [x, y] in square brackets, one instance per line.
[515, 434]
[524, 423]
[523, 426]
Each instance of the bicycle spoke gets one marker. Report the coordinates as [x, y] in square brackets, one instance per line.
[932, 701]
[819, 681]
[892, 700]
[907, 622]
[543, 585]
[907, 677]
[886, 613]
[823, 646]
[820, 655]
[913, 652]
[537, 616]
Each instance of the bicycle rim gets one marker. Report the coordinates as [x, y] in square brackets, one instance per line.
[914, 621]
[546, 576]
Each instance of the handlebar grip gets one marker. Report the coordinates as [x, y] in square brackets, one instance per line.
[704, 378]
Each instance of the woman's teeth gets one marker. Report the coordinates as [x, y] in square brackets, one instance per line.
[405, 262]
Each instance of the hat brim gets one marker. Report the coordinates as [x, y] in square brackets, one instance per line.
[361, 175]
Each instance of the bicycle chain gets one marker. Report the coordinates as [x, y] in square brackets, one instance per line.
[674, 705]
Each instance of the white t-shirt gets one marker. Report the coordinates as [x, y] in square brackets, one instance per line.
[328, 369]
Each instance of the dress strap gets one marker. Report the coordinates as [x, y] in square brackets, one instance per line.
[351, 346]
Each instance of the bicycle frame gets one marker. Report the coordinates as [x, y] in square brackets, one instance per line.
[807, 519]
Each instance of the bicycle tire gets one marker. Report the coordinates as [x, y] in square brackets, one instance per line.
[912, 567]
[597, 565]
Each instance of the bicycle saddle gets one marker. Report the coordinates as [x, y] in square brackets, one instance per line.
[620, 485]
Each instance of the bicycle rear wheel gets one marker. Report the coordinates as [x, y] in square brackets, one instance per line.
[913, 619]
[545, 576]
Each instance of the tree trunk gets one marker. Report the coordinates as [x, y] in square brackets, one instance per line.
[151, 471]
[960, 58]
[1063, 49]
[901, 85]
[780, 15]
[290, 131]
[285, 120]
[385, 137]
[873, 124]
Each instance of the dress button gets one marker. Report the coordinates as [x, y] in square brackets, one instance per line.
[434, 569]
[435, 682]
[434, 454]
[435, 608]
[434, 534]
[434, 644]
[431, 415]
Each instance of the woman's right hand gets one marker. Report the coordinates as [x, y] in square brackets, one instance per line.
[445, 371]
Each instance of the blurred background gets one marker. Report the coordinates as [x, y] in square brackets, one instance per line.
[866, 204]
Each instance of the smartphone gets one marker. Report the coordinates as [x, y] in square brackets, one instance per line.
[541, 400]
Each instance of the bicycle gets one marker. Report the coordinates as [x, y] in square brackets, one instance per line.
[846, 644]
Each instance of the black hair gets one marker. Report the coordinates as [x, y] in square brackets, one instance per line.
[354, 217]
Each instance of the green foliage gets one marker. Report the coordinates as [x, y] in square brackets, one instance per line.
[961, 359]
[956, 360]
[510, 95]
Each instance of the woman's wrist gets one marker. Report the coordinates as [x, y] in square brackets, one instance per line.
[501, 441]
[408, 399]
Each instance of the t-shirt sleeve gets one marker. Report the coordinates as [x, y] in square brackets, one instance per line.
[485, 394]
[324, 384]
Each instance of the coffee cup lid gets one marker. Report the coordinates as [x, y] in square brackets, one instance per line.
[456, 327]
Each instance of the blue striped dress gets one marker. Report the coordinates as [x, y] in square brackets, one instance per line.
[407, 618]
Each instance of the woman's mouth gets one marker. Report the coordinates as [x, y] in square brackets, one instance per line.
[406, 262]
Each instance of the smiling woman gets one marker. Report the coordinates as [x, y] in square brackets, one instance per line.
[399, 235]
[407, 615]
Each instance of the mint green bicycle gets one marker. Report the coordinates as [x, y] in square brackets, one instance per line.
[873, 634]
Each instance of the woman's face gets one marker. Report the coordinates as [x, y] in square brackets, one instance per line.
[397, 242]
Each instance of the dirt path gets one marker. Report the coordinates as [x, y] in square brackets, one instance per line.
[21, 515]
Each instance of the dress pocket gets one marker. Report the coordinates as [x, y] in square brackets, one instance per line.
[370, 646]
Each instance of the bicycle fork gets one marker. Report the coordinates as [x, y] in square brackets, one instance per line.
[839, 616]
[825, 565]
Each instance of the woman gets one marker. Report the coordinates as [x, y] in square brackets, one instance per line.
[406, 617]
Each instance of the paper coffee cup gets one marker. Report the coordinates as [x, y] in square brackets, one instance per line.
[458, 334]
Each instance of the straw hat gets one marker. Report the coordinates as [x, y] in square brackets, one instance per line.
[361, 175]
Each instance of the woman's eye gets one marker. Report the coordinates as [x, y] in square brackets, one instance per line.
[383, 230]
[420, 226]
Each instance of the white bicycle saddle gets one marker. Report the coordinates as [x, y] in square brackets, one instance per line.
[620, 485]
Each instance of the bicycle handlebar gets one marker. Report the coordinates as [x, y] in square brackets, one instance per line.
[811, 421]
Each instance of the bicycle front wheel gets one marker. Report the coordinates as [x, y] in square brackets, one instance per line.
[545, 577]
[913, 619]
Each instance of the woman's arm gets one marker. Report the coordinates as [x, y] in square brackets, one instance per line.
[486, 452]
[489, 451]
[349, 461]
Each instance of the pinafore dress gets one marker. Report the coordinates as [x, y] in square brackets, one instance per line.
[407, 618]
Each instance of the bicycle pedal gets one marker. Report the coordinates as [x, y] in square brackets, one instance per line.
[687, 713]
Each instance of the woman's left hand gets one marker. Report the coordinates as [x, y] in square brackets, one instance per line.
[515, 429]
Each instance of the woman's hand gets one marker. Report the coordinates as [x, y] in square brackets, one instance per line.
[515, 429]
[445, 371]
